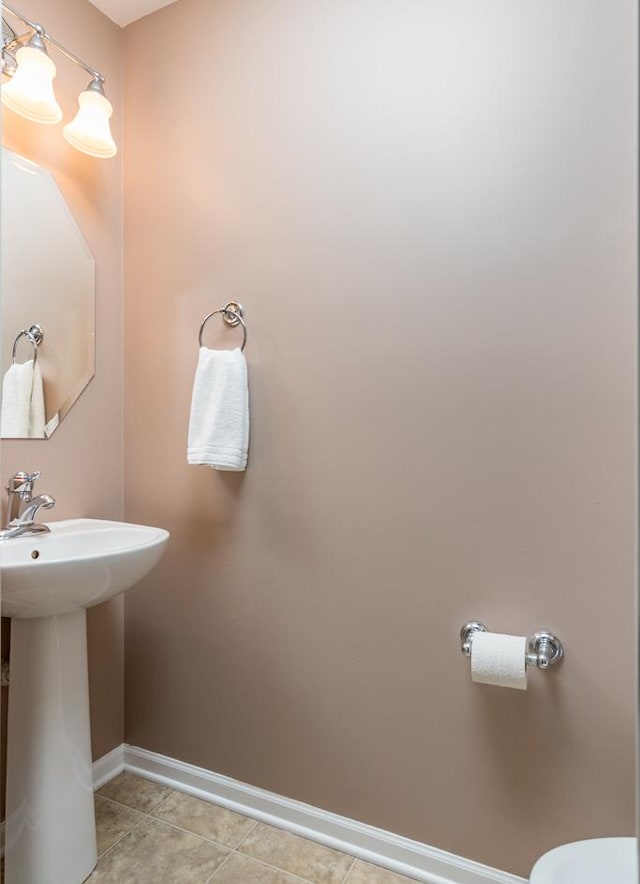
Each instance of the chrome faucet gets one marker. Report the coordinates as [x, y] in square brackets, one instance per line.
[22, 508]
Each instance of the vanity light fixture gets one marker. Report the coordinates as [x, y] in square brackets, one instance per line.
[29, 90]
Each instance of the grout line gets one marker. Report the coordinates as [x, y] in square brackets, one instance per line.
[236, 851]
[124, 834]
[115, 844]
[119, 804]
[222, 864]
[283, 871]
[130, 806]
[160, 803]
[149, 815]
[247, 833]
[127, 806]
[349, 870]
[146, 817]
[264, 864]
[344, 880]
[156, 806]
[191, 832]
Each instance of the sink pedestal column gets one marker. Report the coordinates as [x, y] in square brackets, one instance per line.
[50, 827]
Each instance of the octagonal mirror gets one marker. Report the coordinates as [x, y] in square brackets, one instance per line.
[48, 284]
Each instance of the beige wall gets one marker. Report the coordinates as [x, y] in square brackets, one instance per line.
[429, 215]
[428, 210]
[82, 463]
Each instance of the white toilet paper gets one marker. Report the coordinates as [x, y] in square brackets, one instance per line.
[499, 660]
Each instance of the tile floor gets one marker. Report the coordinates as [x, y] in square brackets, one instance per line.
[149, 834]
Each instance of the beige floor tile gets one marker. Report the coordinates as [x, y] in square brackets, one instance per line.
[154, 853]
[135, 792]
[242, 870]
[365, 873]
[309, 860]
[112, 822]
[204, 818]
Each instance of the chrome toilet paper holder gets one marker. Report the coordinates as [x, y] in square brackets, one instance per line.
[543, 648]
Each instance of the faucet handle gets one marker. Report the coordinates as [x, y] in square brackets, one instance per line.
[22, 483]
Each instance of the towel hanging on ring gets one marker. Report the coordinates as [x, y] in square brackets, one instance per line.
[219, 418]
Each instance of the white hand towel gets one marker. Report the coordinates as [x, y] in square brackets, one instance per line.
[219, 421]
[22, 413]
[36, 412]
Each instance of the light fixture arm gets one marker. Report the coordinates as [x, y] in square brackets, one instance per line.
[23, 18]
[40, 33]
[10, 37]
[95, 75]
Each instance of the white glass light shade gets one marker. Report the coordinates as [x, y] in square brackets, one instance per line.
[89, 131]
[30, 90]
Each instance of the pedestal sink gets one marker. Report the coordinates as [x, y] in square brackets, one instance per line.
[47, 582]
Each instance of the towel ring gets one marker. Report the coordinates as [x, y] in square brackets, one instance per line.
[35, 334]
[232, 315]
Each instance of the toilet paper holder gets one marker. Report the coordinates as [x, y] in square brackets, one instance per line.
[543, 648]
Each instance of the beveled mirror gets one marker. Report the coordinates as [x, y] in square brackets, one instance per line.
[48, 280]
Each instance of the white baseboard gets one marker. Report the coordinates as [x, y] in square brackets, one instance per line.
[108, 767]
[394, 852]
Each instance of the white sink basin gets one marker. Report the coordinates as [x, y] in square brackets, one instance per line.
[81, 563]
[48, 580]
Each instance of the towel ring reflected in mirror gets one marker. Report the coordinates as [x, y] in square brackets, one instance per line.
[35, 334]
[232, 314]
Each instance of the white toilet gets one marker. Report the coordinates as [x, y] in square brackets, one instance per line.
[597, 861]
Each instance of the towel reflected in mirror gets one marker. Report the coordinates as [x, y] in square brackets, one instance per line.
[22, 408]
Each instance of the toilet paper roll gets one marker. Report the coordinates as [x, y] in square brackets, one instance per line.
[499, 660]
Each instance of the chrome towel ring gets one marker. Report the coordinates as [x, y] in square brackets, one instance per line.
[35, 334]
[232, 314]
